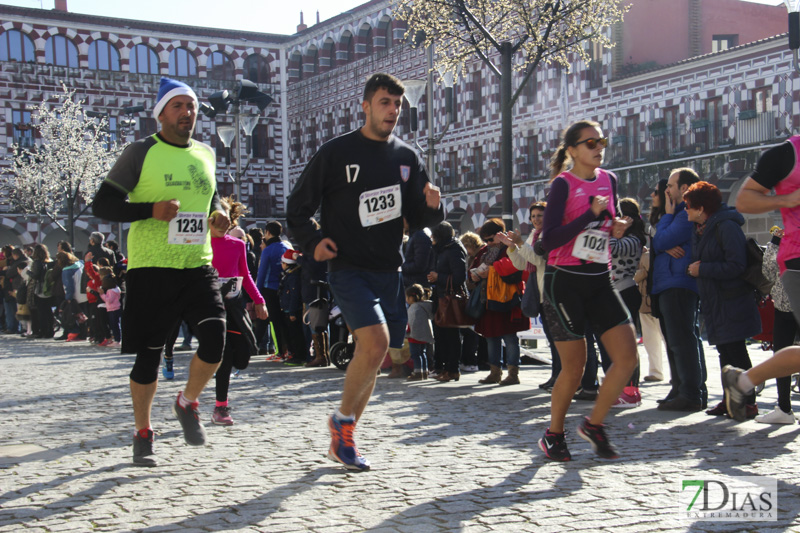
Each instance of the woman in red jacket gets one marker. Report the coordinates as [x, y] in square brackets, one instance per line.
[498, 327]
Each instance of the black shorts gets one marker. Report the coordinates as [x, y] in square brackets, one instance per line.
[572, 299]
[157, 299]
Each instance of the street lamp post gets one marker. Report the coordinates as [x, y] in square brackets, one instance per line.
[246, 91]
[793, 7]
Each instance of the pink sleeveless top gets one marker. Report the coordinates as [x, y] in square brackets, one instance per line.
[580, 197]
[790, 244]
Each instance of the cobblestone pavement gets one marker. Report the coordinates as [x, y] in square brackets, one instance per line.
[446, 457]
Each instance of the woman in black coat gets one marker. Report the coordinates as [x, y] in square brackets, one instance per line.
[719, 259]
[450, 267]
[43, 300]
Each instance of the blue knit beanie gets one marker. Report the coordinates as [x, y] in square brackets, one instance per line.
[170, 89]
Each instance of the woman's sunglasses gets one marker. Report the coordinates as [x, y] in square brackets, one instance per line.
[592, 143]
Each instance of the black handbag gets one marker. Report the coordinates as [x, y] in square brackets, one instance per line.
[531, 301]
[476, 306]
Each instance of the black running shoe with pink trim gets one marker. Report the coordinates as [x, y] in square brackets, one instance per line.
[554, 446]
[596, 436]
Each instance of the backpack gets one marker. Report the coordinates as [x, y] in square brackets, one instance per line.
[753, 273]
[84, 281]
[80, 296]
[500, 295]
[49, 282]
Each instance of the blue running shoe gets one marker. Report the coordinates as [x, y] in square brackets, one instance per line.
[343, 449]
[167, 371]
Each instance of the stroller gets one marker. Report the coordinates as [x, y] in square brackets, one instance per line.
[318, 318]
[323, 312]
[341, 351]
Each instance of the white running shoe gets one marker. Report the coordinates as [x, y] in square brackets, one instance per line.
[776, 416]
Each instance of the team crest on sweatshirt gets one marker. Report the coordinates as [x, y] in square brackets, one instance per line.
[405, 172]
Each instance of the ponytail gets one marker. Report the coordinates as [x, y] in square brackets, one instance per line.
[558, 160]
[234, 209]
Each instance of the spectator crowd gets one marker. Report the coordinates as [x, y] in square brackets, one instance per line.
[72, 299]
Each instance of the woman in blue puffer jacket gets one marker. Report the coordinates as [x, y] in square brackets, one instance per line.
[71, 271]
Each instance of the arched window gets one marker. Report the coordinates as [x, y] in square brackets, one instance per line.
[388, 35]
[368, 42]
[345, 54]
[256, 69]
[143, 60]
[382, 35]
[327, 58]
[103, 56]
[219, 67]
[311, 61]
[182, 63]
[296, 65]
[16, 46]
[364, 46]
[60, 51]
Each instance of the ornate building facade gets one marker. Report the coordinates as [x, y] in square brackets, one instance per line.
[722, 95]
[115, 66]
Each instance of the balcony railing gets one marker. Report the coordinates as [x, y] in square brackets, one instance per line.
[755, 128]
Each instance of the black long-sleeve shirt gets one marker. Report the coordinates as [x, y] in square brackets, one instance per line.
[351, 178]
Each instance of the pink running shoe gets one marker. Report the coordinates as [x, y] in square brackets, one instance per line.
[222, 416]
[628, 400]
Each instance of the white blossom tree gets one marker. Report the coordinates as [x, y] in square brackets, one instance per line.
[508, 35]
[59, 176]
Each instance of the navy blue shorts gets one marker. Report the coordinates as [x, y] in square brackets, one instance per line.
[370, 298]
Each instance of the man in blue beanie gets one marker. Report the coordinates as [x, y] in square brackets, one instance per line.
[165, 186]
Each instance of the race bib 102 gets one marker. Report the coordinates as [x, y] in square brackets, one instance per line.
[592, 245]
[188, 228]
[379, 205]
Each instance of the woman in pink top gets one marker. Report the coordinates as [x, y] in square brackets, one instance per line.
[580, 218]
[230, 260]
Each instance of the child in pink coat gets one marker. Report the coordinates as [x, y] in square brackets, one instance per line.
[110, 294]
